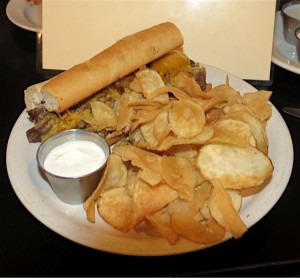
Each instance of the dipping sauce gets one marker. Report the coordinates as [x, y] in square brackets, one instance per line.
[74, 158]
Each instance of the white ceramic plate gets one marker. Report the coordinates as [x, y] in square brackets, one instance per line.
[70, 221]
[24, 15]
[283, 54]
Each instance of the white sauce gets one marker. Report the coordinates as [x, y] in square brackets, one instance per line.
[74, 158]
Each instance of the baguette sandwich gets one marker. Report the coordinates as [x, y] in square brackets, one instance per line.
[64, 101]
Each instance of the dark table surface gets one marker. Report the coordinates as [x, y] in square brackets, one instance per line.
[28, 248]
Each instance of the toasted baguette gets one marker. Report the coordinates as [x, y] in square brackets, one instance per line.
[122, 58]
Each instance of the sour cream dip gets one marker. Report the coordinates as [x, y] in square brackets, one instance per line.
[74, 158]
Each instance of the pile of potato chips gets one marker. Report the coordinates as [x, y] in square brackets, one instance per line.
[187, 158]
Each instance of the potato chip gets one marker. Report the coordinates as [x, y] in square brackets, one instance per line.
[104, 116]
[145, 116]
[232, 132]
[223, 211]
[147, 199]
[225, 95]
[132, 175]
[190, 208]
[161, 127]
[135, 85]
[188, 151]
[179, 174]
[189, 85]
[186, 118]
[208, 232]
[236, 198]
[161, 221]
[115, 175]
[114, 137]
[256, 126]
[124, 114]
[147, 131]
[114, 206]
[258, 103]
[172, 140]
[212, 104]
[150, 80]
[145, 104]
[136, 138]
[148, 162]
[237, 107]
[156, 130]
[205, 212]
[235, 166]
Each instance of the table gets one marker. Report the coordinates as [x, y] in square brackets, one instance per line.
[28, 248]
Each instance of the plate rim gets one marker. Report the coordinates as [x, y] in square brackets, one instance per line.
[14, 6]
[277, 58]
[169, 251]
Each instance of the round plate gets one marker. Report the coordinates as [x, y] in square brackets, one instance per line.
[24, 15]
[283, 54]
[70, 220]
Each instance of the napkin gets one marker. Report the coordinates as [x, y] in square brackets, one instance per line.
[235, 36]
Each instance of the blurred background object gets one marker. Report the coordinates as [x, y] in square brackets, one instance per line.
[291, 20]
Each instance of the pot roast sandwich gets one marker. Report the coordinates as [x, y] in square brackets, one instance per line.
[66, 100]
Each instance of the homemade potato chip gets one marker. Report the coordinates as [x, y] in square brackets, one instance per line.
[173, 140]
[180, 174]
[189, 85]
[232, 132]
[224, 212]
[147, 200]
[114, 206]
[148, 162]
[192, 207]
[224, 95]
[186, 118]
[156, 130]
[258, 103]
[235, 166]
[257, 128]
[125, 113]
[150, 80]
[161, 127]
[236, 198]
[115, 175]
[161, 221]
[104, 116]
[206, 233]
[188, 151]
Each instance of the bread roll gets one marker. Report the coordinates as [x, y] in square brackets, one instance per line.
[115, 62]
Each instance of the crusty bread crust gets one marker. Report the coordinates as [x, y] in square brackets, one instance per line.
[32, 95]
[115, 62]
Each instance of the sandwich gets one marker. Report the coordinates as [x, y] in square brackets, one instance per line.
[65, 101]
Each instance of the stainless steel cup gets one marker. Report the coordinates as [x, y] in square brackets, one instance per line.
[72, 190]
[297, 35]
[291, 20]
